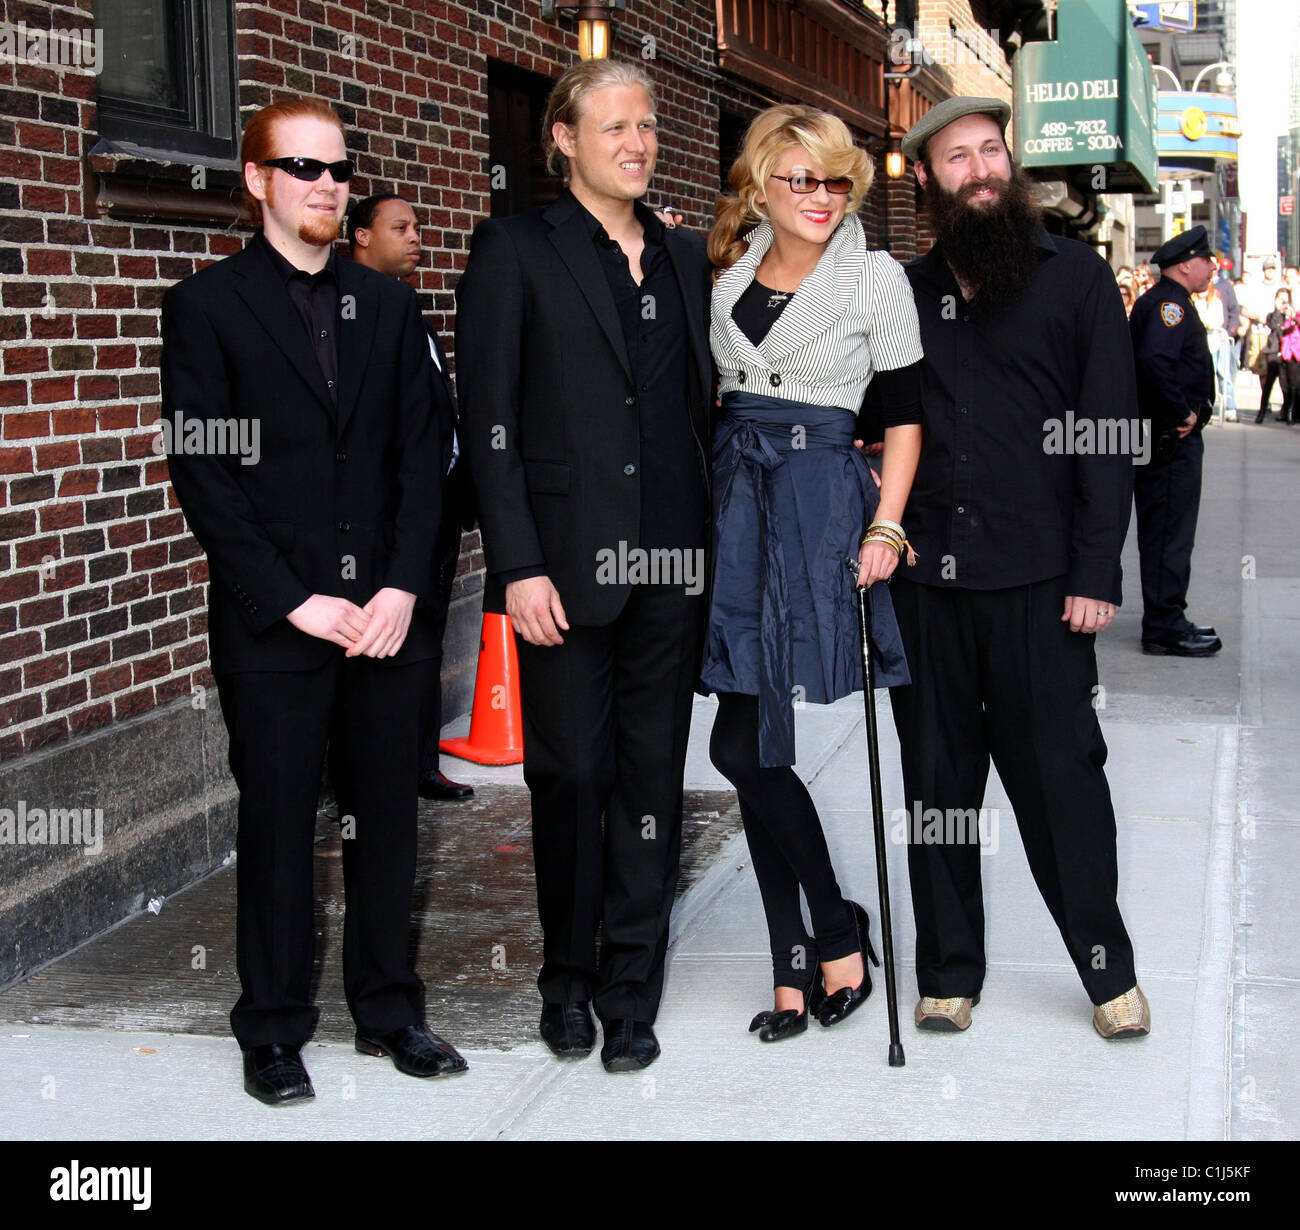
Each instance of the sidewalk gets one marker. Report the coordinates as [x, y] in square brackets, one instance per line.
[1205, 777]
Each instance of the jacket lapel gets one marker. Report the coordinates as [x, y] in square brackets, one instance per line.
[821, 298]
[261, 287]
[732, 284]
[574, 245]
[358, 308]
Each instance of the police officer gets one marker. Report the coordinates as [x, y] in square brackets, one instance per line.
[1175, 393]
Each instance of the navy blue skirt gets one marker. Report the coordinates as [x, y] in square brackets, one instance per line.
[793, 498]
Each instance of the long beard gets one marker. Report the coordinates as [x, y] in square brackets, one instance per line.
[992, 246]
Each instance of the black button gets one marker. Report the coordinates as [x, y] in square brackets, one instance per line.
[740, 377]
[775, 379]
[329, 384]
[961, 508]
[340, 457]
[966, 317]
[629, 469]
[961, 409]
[344, 526]
[963, 456]
[324, 333]
[645, 388]
[629, 400]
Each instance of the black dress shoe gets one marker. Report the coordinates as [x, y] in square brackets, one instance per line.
[629, 1046]
[1190, 645]
[274, 1074]
[847, 1000]
[568, 1029]
[415, 1050]
[776, 1026]
[437, 786]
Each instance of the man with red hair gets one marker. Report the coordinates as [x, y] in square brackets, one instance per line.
[295, 402]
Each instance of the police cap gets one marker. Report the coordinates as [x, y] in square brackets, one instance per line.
[1183, 248]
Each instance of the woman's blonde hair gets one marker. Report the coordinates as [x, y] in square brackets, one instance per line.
[828, 142]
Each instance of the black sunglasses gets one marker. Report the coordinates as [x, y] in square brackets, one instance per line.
[804, 184]
[311, 169]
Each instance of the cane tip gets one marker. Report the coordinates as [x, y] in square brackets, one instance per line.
[896, 1059]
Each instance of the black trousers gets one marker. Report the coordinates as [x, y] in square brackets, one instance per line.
[787, 847]
[1271, 372]
[281, 725]
[447, 553]
[1167, 497]
[606, 720]
[996, 674]
[1289, 379]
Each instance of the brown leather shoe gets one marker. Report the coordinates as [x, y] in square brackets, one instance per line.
[1125, 1016]
[944, 1015]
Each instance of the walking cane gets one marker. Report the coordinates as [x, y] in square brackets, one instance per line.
[896, 1059]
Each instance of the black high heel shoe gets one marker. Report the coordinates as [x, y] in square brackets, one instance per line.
[847, 1000]
[774, 1026]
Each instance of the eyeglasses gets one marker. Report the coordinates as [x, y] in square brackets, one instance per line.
[309, 170]
[804, 184]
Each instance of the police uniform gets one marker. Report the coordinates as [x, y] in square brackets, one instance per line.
[1175, 377]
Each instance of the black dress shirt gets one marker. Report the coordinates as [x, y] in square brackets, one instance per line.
[994, 504]
[316, 298]
[673, 512]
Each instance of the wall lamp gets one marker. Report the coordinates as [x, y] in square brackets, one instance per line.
[595, 24]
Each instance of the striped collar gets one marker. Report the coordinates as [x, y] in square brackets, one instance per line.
[821, 299]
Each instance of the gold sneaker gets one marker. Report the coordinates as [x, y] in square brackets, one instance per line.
[944, 1015]
[1125, 1016]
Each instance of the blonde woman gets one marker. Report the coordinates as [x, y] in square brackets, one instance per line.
[803, 317]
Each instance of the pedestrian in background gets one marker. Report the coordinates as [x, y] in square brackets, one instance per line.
[1286, 325]
[1210, 308]
[384, 235]
[1268, 363]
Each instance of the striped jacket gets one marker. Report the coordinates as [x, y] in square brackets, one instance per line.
[854, 315]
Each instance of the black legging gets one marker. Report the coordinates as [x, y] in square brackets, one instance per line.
[1272, 370]
[787, 846]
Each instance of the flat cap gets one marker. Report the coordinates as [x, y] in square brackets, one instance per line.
[944, 114]
[1182, 248]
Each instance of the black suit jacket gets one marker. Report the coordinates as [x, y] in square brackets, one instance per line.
[548, 403]
[343, 499]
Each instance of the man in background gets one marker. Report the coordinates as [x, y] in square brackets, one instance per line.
[383, 235]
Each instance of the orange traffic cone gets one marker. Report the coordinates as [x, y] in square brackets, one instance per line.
[496, 731]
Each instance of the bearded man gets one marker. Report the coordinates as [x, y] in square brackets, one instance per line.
[1017, 515]
[319, 540]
